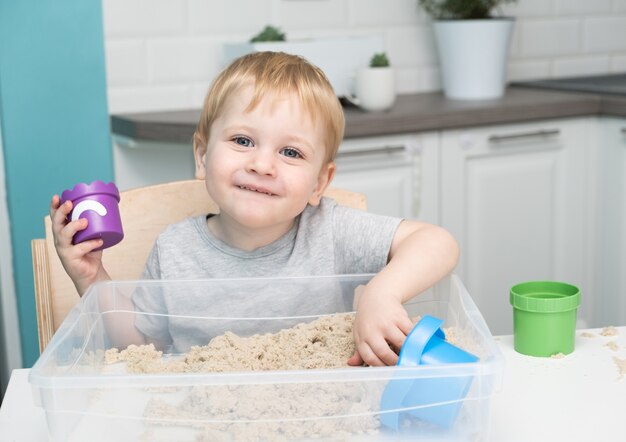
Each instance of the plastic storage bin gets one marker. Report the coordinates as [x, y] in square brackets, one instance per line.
[85, 399]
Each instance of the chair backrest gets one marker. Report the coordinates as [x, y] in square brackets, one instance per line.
[145, 212]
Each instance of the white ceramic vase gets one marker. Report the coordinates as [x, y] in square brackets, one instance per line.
[473, 55]
[376, 88]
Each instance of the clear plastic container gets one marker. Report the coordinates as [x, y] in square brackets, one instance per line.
[86, 399]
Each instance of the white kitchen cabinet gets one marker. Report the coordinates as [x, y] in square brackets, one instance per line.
[398, 174]
[515, 196]
[610, 269]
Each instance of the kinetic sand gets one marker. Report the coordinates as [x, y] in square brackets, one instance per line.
[258, 411]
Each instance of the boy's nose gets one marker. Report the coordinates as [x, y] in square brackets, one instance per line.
[262, 163]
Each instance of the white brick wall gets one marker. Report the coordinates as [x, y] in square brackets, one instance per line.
[162, 54]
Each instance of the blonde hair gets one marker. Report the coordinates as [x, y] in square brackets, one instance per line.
[278, 73]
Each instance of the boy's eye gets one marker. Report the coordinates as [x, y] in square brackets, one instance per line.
[243, 141]
[290, 152]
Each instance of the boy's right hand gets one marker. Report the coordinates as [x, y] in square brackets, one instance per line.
[80, 262]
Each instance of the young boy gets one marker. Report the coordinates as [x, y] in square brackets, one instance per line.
[265, 145]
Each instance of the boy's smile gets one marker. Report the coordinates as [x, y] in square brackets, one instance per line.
[262, 167]
[257, 189]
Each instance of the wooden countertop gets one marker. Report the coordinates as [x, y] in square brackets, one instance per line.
[411, 113]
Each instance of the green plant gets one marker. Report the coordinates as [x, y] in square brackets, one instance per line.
[379, 60]
[461, 9]
[269, 33]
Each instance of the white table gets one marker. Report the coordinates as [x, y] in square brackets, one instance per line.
[576, 398]
[580, 397]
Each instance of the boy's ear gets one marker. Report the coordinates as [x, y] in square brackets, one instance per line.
[199, 155]
[323, 180]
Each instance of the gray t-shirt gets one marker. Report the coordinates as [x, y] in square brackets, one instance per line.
[328, 239]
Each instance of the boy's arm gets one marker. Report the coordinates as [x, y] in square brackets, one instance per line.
[421, 254]
[120, 326]
[80, 261]
[84, 267]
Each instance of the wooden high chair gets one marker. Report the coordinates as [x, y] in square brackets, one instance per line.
[145, 212]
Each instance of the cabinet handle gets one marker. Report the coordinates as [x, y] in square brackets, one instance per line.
[543, 133]
[376, 151]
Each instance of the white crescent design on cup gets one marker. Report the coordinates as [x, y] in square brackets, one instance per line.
[85, 205]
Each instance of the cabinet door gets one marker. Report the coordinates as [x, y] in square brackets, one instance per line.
[397, 174]
[611, 232]
[388, 188]
[514, 197]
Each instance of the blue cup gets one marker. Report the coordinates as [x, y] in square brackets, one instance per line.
[432, 399]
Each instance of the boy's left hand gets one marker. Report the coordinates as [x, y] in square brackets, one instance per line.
[380, 321]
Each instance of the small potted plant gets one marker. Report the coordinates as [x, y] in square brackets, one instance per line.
[462, 9]
[473, 44]
[375, 84]
[269, 33]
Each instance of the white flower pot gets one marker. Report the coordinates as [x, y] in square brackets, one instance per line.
[375, 88]
[473, 55]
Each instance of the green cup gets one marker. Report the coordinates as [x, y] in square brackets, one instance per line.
[544, 317]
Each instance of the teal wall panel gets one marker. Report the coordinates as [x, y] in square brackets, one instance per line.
[54, 118]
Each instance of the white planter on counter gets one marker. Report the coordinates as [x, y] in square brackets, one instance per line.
[376, 88]
[473, 55]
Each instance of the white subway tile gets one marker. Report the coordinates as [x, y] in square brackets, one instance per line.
[528, 70]
[228, 16]
[298, 34]
[430, 79]
[198, 93]
[144, 17]
[407, 80]
[183, 59]
[148, 98]
[126, 62]
[580, 66]
[550, 37]
[379, 13]
[162, 54]
[530, 8]
[619, 5]
[582, 7]
[605, 34]
[411, 46]
[309, 14]
[618, 63]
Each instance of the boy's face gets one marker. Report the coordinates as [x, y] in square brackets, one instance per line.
[263, 166]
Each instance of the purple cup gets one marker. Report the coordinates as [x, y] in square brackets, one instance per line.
[98, 203]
